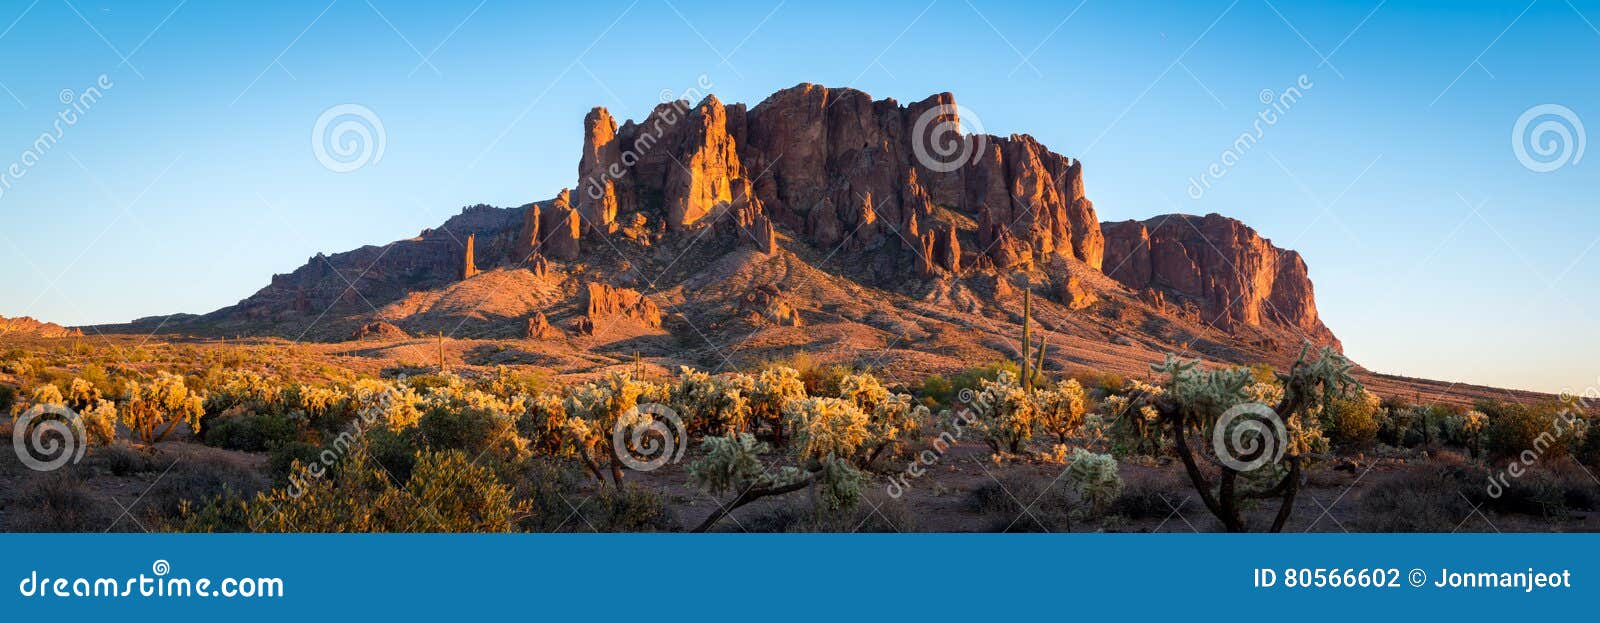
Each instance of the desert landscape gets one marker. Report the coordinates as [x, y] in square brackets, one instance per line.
[787, 316]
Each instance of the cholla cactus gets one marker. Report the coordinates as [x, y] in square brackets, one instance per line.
[895, 419]
[244, 388]
[863, 389]
[826, 428]
[1466, 429]
[47, 394]
[1094, 477]
[593, 410]
[1061, 408]
[733, 463]
[1195, 397]
[769, 391]
[100, 422]
[394, 407]
[1003, 414]
[710, 405]
[154, 409]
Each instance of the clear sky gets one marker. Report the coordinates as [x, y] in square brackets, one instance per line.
[1434, 250]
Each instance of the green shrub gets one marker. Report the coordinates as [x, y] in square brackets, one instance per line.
[1515, 429]
[281, 459]
[253, 432]
[1352, 421]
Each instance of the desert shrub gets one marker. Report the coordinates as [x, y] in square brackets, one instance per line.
[1352, 421]
[122, 460]
[154, 409]
[253, 432]
[550, 489]
[59, 501]
[444, 493]
[196, 481]
[1105, 383]
[282, 457]
[1515, 429]
[477, 431]
[1146, 496]
[1414, 502]
[629, 509]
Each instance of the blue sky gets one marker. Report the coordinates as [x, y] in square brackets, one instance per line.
[1435, 252]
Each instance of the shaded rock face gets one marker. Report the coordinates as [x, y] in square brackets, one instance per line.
[1234, 276]
[838, 168]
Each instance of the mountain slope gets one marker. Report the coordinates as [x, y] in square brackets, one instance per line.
[818, 221]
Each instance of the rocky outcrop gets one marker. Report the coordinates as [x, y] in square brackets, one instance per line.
[469, 265]
[559, 228]
[25, 326]
[605, 303]
[1234, 276]
[379, 331]
[837, 167]
[539, 328]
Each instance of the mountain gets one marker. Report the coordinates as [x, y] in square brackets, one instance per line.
[819, 220]
[25, 326]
